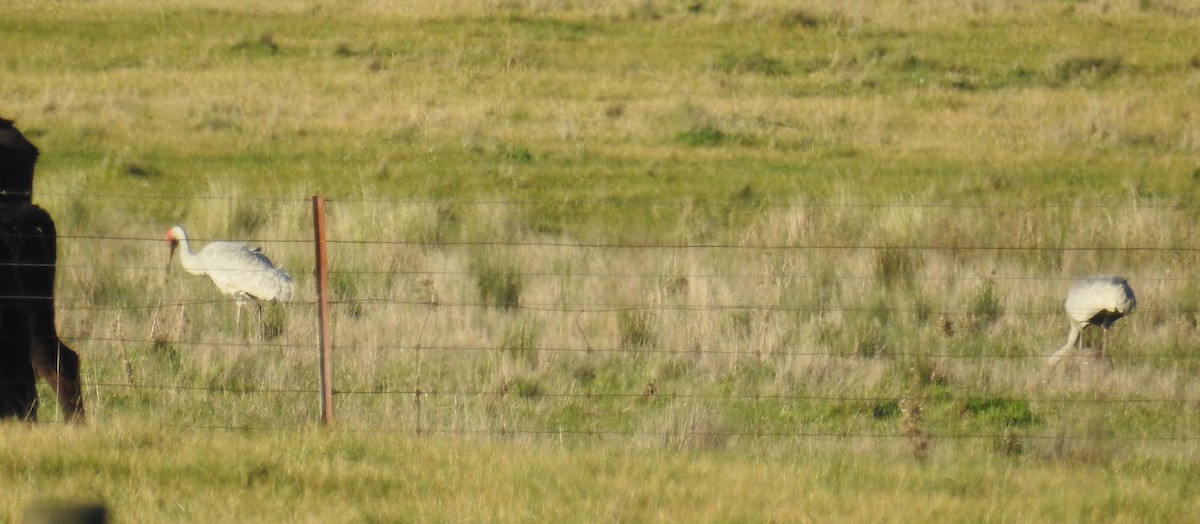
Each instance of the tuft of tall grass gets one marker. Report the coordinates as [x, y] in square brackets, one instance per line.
[755, 62]
[499, 283]
[1082, 68]
[987, 307]
[896, 266]
[521, 341]
[636, 329]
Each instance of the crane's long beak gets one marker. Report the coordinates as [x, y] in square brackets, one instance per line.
[173, 244]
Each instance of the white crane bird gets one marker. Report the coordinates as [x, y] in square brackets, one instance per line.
[1094, 301]
[244, 273]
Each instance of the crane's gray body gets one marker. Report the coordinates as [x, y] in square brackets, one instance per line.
[1094, 301]
[237, 270]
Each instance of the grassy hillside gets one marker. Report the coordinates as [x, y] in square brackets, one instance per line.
[630, 260]
[1036, 101]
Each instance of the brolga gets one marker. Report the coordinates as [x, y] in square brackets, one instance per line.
[1094, 301]
[239, 271]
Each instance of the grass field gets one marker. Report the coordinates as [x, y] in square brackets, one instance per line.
[621, 261]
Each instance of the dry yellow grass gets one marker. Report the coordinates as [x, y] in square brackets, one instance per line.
[895, 195]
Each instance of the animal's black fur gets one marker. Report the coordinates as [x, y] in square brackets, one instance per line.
[29, 343]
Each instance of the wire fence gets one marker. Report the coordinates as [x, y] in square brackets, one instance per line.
[681, 320]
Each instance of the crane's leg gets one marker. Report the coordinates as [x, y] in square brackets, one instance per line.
[1104, 358]
[258, 329]
[1104, 343]
[1079, 350]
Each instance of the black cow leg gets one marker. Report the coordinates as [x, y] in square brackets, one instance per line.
[18, 389]
[58, 365]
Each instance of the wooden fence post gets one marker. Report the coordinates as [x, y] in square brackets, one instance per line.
[323, 311]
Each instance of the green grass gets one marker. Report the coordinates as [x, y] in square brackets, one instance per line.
[314, 476]
[577, 104]
[844, 234]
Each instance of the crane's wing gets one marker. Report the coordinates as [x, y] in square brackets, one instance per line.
[238, 270]
[1093, 295]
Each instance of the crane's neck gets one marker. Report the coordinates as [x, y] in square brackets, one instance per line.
[189, 260]
[1072, 341]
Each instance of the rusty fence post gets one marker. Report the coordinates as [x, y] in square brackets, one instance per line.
[322, 278]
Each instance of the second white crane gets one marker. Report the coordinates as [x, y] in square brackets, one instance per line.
[244, 273]
[1094, 301]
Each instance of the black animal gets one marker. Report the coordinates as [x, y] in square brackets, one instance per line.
[29, 343]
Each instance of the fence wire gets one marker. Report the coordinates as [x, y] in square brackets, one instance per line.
[365, 267]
